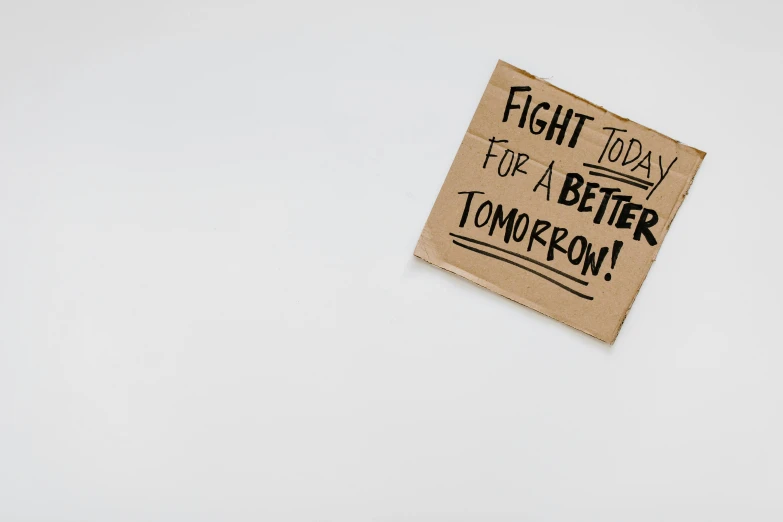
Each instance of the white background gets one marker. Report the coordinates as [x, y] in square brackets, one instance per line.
[209, 307]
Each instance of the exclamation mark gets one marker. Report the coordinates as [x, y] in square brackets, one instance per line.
[615, 252]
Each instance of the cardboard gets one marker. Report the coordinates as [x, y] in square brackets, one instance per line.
[556, 203]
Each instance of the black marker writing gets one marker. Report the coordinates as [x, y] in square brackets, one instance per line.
[615, 151]
[557, 126]
[515, 227]
[515, 160]
[622, 212]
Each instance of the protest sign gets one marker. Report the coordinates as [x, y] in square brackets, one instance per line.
[556, 203]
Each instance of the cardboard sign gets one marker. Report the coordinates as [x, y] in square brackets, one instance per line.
[556, 203]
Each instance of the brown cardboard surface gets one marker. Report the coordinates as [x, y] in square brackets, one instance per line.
[557, 203]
